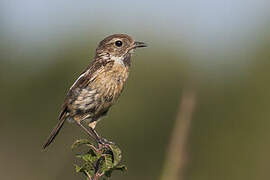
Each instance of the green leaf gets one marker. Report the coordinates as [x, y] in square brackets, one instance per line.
[99, 166]
[77, 168]
[108, 162]
[87, 169]
[122, 168]
[80, 142]
[117, 154]
[108, 172]
[92, 152]
[88, 157]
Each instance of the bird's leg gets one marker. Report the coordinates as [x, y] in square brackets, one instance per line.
[92, 134]
[101, 140]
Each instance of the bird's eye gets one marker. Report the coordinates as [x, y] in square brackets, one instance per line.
[118, 43]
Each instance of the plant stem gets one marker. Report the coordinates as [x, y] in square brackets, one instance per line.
[176, 157]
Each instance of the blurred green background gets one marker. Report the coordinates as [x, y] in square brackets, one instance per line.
[220, 47]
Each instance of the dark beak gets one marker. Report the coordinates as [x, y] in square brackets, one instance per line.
[138, 44]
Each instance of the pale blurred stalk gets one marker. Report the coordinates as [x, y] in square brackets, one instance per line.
[176, 156]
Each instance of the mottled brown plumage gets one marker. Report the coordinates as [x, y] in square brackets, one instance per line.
[98, 86]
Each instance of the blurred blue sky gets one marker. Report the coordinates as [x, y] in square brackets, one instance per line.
[205, 27]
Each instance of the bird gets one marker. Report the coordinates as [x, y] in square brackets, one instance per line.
[98, 87]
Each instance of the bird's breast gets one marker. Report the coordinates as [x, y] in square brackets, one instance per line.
[111, 80]
[109, 83]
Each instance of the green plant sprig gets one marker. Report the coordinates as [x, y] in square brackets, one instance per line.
[98, 162]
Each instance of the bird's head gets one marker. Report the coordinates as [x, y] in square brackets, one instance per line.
[117, 47]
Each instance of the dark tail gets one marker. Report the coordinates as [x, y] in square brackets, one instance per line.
[54, 132]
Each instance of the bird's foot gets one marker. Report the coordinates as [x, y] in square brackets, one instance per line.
[104, 141]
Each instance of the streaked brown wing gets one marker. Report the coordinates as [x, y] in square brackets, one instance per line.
[80, 83]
